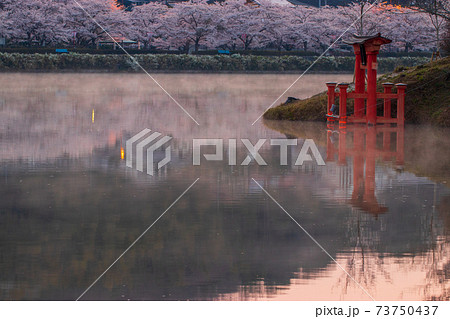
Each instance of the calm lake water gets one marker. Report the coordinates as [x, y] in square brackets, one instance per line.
[69, 206]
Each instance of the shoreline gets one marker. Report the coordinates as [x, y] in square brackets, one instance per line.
[101, 71]
[427, 97]
[73, 62]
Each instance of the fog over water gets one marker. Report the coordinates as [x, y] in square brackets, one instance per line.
[69, 206]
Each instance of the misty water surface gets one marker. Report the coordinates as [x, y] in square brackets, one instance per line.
[69, 206]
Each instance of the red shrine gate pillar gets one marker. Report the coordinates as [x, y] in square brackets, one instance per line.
[331, 95]
[342, 104]
[387, 102]
[401, 88]
[366, 49]
[371, 111]
[360, 83]
[365, 95]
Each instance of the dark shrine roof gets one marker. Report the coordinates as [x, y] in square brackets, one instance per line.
[361, 39]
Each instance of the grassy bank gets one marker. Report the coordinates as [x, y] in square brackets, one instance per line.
[183, 62]
[427, 97]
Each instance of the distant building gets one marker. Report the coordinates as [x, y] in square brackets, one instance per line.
[299, 3]
[252, 2]
[106, 40]
[138, 2]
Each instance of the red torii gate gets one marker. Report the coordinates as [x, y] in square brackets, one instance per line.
[366, 50]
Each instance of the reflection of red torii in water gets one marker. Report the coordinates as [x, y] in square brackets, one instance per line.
[363, 196]
[366, 49]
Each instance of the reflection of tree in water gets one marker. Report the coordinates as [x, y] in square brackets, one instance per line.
[375, 250]
[368, 270]
[72, 217]
[368, 265]
[439, 273]
[76, 216]
[224, 236]
[71, 223]
[356, 265]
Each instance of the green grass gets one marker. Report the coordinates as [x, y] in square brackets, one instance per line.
[428, 92]
[311, 109]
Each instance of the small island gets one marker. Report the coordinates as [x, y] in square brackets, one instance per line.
[427, 98]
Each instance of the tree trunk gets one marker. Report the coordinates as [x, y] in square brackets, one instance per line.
[438, 37]
[360, 25]
[196, 45]
[187, 46]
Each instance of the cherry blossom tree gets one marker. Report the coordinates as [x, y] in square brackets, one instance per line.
[192, 23]
[361, 14]
[4, 18]
[402, 26]
[90, 22]
[200, 24]
[276, 20]
[37, 21]
[299, 28]
[242, 25]
[433, 7]
[324, 26]
[148, 24]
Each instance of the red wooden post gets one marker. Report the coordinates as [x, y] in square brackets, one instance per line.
[360, 85]
[386, 144]
[401, 88]
[366, 49]
[387, 102]
[400, 157]
[330, 146]
[358, 164]
[331, 96]
[343, 104]
[369, 183]
[371, 88]
[342, 155]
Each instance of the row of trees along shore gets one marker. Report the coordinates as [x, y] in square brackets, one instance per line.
[230, 24]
